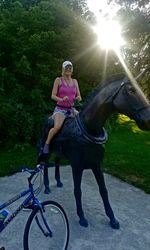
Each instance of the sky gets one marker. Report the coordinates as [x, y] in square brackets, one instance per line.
[96, 5]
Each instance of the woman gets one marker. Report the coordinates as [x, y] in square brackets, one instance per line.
[65, 91]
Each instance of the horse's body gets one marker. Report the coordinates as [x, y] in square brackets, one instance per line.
[82, 137]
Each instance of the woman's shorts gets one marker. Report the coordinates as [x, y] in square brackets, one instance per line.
[67, 113]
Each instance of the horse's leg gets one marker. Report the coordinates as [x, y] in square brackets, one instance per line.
[46, 181]
[47, 125]
[104, 194]
[46, 178]
[57, 172]
[77, 177]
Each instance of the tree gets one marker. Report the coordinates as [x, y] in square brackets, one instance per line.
[134, 17]
[34, 41]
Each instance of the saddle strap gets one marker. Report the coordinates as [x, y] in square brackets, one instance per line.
[98, 140]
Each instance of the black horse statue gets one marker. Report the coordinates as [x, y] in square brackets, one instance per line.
[82, 138]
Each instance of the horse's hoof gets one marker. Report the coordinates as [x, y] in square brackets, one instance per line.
[59, 184]
[47, 191]
[83, 222]
[114, 224]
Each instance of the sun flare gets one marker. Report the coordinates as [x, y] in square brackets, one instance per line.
[109, 34]
[108, 30]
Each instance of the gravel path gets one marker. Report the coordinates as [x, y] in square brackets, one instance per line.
[131, 207]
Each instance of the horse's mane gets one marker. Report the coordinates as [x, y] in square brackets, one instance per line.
[104, 83]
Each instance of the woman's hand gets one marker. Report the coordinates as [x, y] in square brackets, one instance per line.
[65, 98]
[78, 98]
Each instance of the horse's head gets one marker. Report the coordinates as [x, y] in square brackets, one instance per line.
[130, 100]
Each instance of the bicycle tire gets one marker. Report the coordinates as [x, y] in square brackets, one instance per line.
[58, 223]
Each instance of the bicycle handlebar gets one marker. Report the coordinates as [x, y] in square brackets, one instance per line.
[33, 171]
[37, 169]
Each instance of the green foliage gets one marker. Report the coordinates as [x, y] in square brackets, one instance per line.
[14, 160]
[35, 38]
[131, 3]
[20, 119]
[112, 123]
[134, 16]
[127, 155]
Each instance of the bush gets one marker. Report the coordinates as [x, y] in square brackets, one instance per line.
[21, 116]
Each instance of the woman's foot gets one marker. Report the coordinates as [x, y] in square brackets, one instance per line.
[46, 149]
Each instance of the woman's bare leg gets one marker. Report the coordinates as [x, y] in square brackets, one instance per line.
[58, 122]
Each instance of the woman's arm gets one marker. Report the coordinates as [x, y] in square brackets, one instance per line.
[55, 90]
[78, 95]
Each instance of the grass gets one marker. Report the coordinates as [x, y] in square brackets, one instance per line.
[15, 159]
[127, 155]
[21, 156]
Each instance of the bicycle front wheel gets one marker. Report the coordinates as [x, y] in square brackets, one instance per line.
[47, 228]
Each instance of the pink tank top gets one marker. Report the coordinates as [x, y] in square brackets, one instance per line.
[66, 90]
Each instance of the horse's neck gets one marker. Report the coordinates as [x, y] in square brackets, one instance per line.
[98, 110]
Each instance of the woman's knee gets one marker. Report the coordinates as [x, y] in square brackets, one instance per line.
[56, 128]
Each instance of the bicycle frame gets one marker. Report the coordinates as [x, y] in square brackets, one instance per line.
[37, 208]
[31, 197]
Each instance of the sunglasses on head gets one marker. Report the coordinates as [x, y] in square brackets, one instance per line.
[68, 67]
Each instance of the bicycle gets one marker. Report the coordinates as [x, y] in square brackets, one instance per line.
[47, 220]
